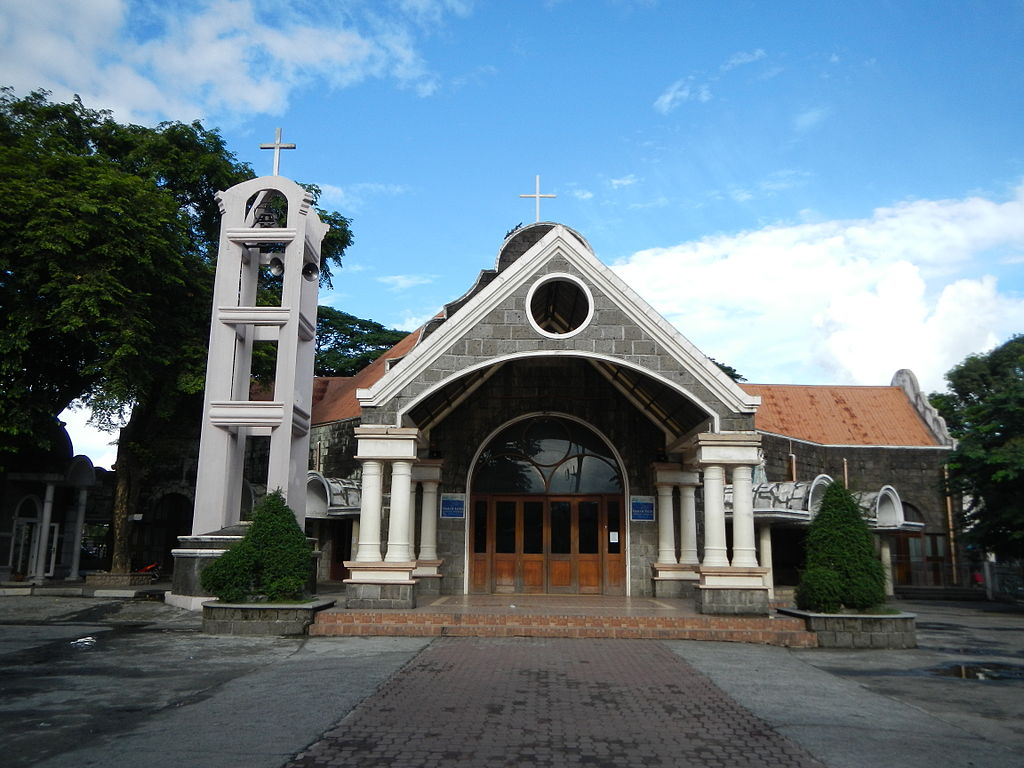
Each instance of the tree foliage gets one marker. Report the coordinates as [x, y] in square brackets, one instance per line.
[109, 232]
[841, 568]
[346, 344]
[728, 370]
[984, 410]
[106, 277]
[273, 561]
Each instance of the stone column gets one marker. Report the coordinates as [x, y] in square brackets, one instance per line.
[400, 524]
[666, 525]
[76, 538]
[886, 557]
[369, 512]
[42, 550]
[715, 553]
[428, 521]
[688, 525]
[744, 555]
[765, 541]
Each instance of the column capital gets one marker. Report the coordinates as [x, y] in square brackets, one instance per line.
[377, 442]
[673, 474]
[727, 448]
[427, 470]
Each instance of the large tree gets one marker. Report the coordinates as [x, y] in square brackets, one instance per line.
[110, 235]
[984, 410]
[346, 344]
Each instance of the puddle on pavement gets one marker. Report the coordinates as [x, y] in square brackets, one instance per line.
[980, 671]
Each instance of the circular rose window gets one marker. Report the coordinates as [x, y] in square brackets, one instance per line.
[559, 305]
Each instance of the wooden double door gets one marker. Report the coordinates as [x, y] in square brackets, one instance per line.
[547, 544]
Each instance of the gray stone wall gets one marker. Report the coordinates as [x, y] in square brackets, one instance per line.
[332, 448]
[915, 473]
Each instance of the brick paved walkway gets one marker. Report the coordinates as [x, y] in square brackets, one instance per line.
[550, 702]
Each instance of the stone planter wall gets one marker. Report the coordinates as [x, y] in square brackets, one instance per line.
[853, 630]
[106, 580]
[260, 618]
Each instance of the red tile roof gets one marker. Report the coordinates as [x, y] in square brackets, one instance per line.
[833, 415]
[334, 397]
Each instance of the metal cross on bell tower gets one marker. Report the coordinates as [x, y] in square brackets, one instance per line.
[277, 146]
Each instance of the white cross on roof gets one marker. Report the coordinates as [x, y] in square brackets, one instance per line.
[538, 196]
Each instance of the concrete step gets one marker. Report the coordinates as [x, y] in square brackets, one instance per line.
[781, 631]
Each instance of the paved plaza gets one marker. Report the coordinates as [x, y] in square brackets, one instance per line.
[98, 682]
[551, 702]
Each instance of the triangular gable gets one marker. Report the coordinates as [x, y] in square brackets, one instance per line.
[560, 242]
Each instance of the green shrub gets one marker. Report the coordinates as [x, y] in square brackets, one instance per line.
[839, 541]
[820, 590]
[271, 562]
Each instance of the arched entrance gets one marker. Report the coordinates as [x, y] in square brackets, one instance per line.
[547, 512]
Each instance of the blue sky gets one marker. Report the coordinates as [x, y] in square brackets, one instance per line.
[812, 192]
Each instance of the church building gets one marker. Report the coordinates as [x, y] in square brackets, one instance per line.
[549, 432]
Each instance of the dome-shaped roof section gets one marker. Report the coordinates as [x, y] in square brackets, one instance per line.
[30, 456]
[524, 238]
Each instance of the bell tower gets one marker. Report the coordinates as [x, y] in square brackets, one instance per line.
[268, 228]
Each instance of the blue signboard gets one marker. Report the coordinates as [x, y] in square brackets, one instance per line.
[641, 509]
[453, 506]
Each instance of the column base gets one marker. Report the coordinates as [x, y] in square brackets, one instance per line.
[730, 591]
[428, 577]
[380, 585]
[380, 595]
[672, 580]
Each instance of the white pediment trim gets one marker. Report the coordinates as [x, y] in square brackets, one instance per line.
[560, 242]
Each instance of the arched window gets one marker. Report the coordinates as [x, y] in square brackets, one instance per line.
[547, 454]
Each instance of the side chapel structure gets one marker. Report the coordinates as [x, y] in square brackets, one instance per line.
[549, 432]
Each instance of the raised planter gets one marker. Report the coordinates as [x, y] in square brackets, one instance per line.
[859, 630]
[260, 618]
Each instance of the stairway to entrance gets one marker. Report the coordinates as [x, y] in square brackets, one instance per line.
[562, 616]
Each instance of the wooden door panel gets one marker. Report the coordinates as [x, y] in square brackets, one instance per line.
[589, 570]
[559, 575]
[478, 575]
[533, 573]
[615, 575]
[504, 573]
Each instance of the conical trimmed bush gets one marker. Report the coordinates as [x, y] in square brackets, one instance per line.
[841, 569]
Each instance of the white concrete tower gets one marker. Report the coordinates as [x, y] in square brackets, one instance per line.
[270, 223]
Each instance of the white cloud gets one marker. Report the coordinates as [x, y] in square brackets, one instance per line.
[405, 282]
[624, 181]
[582, 194]
[410, 321]
[681, 91]
[847, 301]
[743, 57]
[353, 197]
[199, 58]
[810, 118]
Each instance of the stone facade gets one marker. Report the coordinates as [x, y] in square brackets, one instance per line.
[917, 473]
